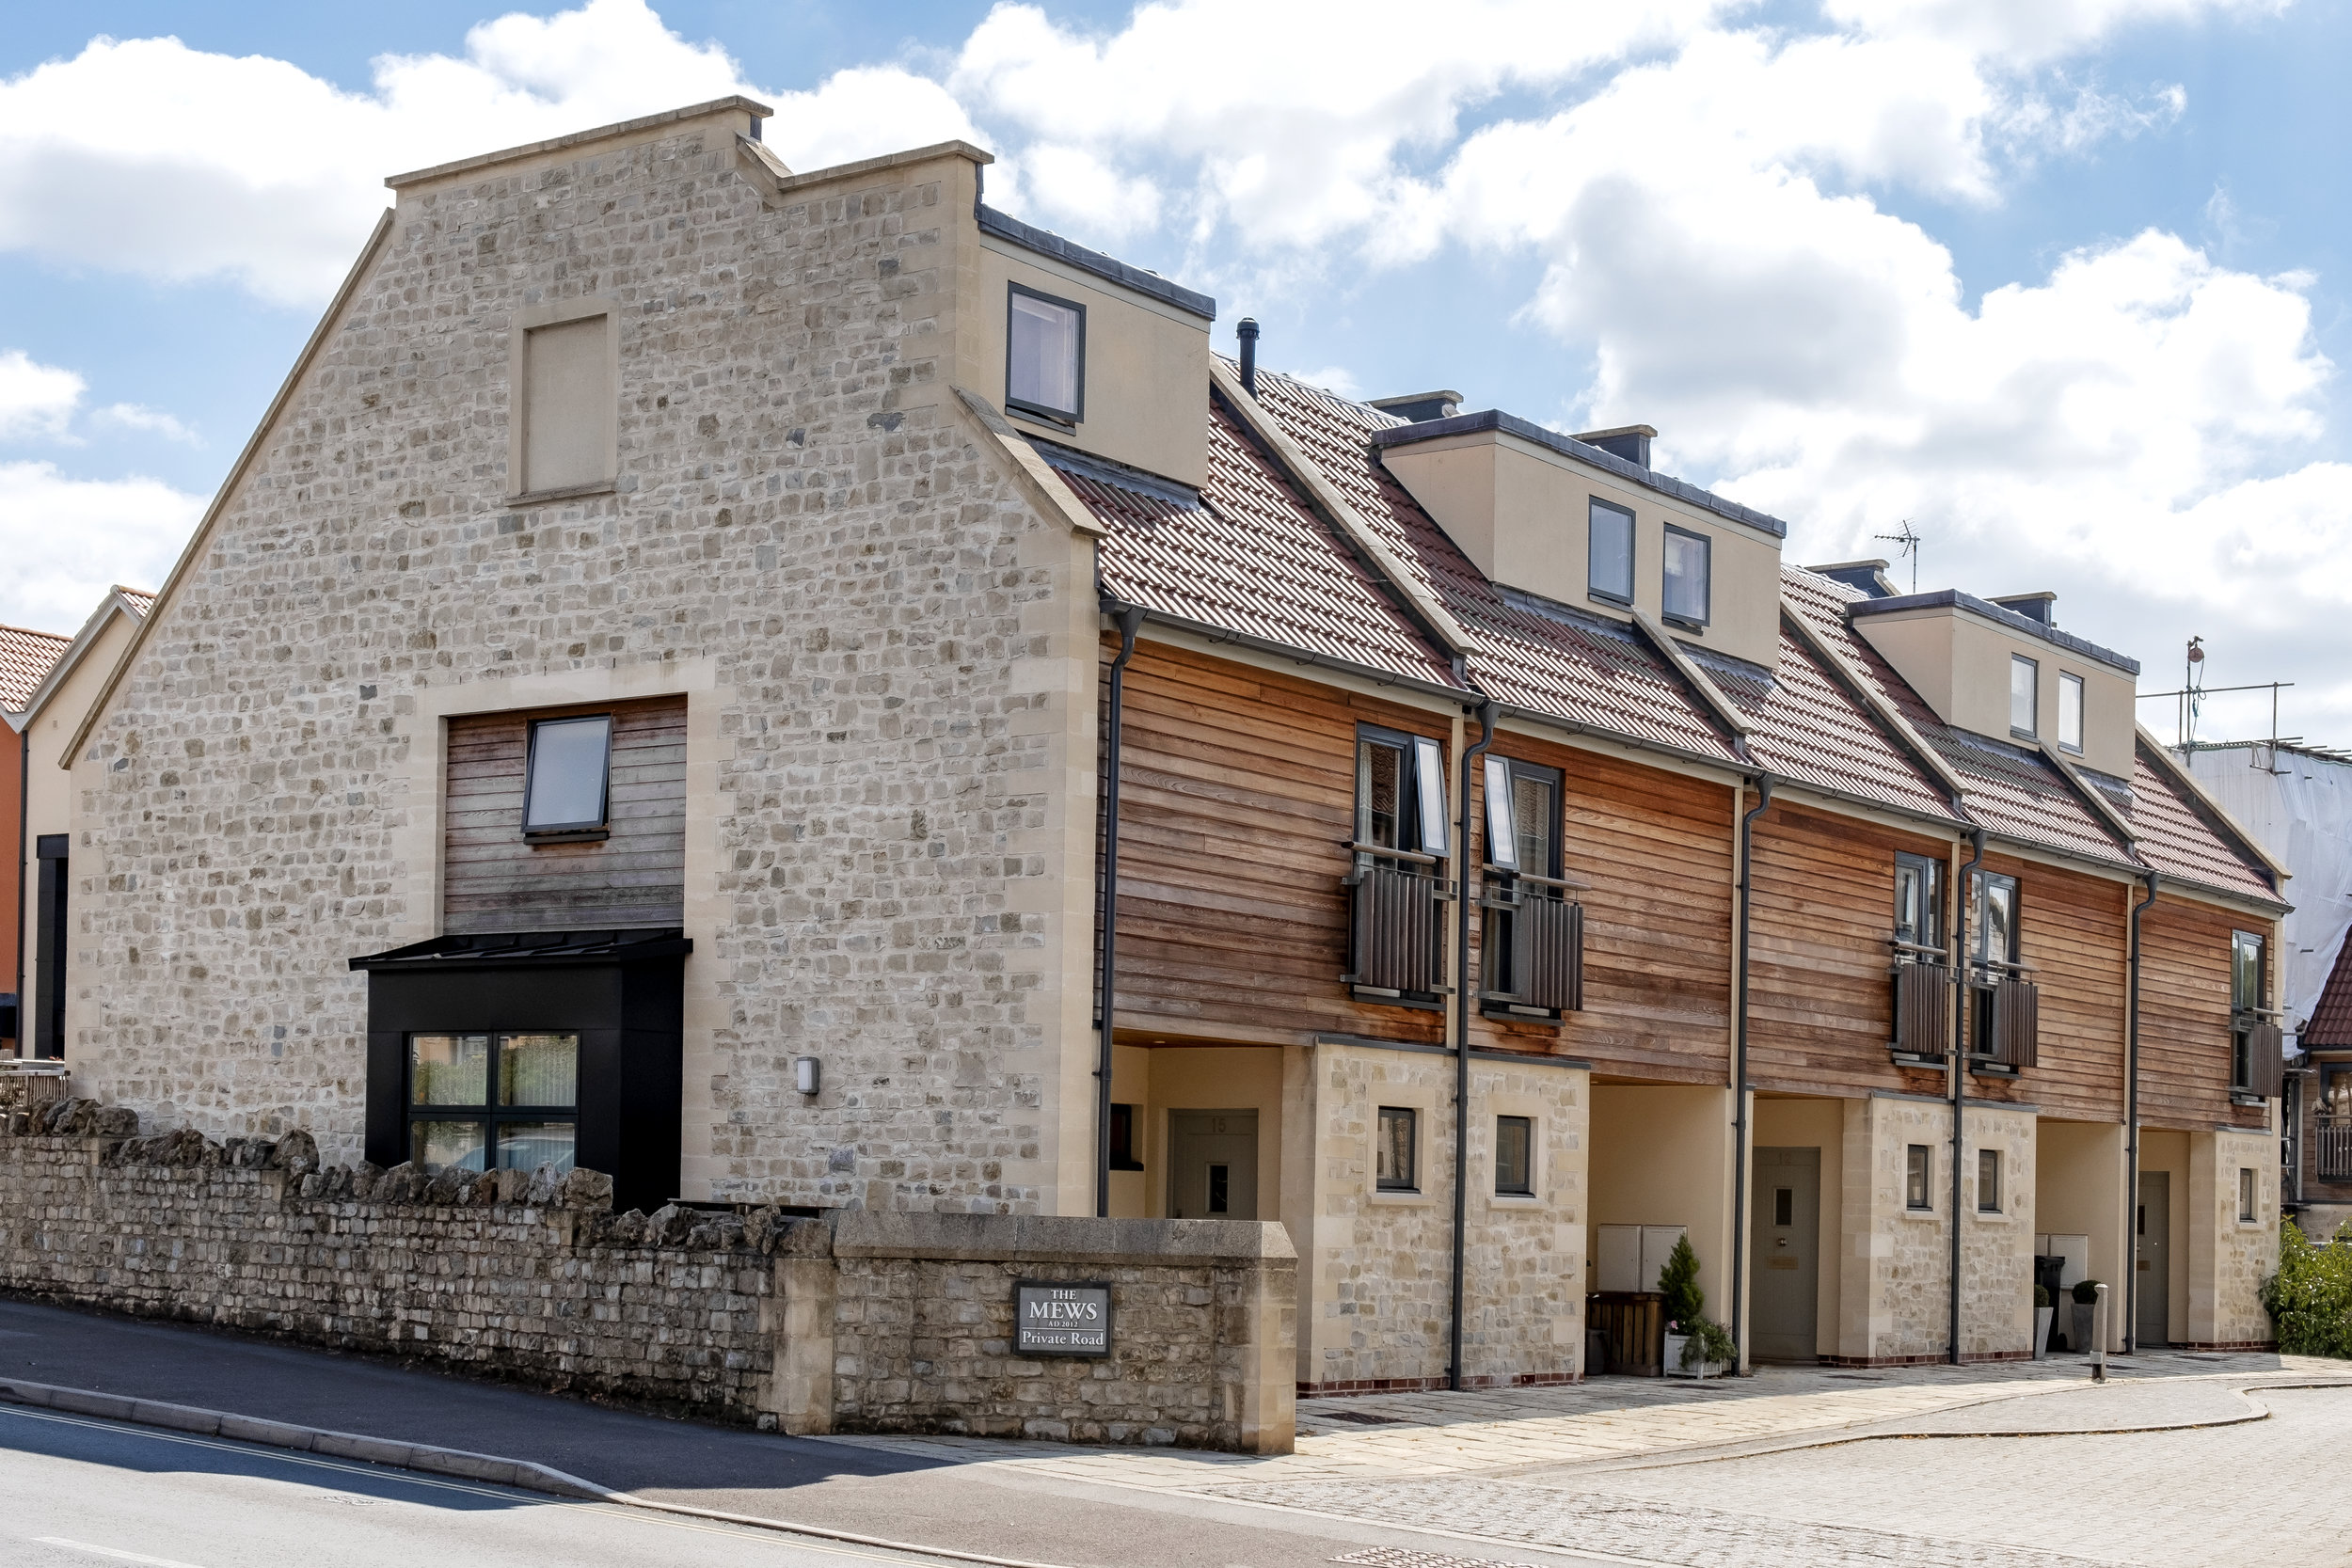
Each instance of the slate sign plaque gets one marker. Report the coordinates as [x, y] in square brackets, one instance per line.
[1061, 1317]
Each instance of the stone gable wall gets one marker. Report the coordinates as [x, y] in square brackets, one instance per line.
[870, 619]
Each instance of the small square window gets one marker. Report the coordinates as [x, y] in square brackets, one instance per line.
[1687, 588]
[1988, 1182]
[568, 776]
[1515, 1156]
[1609, 553]
[2024, 694]
[1918, 1161]
[1393, 1164]
[1784, 1207]
[2070, 712]
[1045, 356]
[2246, 1194]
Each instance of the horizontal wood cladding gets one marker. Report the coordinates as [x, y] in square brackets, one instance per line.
[1820, 1000]
[493, 879]
[2184, 1015]
[1237, 792]
[2073, 937]
[1656, 848]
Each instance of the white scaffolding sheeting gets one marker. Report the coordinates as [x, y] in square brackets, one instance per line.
[2298, 806]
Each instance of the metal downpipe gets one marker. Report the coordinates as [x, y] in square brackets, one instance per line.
[1489, 714]
[1741, 1130]
[2131, 1132]
[1960, 1060]
[1130, 619]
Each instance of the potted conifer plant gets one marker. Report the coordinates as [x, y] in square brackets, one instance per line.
[1696, 1345]
[2042, 1313]
[2086, 1294]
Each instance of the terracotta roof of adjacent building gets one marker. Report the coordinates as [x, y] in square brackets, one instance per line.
[27, 658]
[2330, 1025]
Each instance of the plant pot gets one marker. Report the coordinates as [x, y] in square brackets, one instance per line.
[2042, 1316]
[2078, 1333]
[1673, 1366]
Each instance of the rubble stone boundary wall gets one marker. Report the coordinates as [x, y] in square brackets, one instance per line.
[858, 1322]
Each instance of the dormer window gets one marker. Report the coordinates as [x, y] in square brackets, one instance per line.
[567, 785]
[2024, 694]
[1609, 553]
[1687, 592]
[2070, 712]
[1045, 356]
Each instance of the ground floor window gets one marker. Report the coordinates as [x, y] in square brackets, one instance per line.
[1515, 1156]
[2246, 1193]
[1399, 1133]
[494, 1102]
[1988, 1182]
[1917, 1191]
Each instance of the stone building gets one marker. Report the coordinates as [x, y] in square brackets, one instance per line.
[646, 696]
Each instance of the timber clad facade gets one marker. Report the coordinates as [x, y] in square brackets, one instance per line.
[1429, 852]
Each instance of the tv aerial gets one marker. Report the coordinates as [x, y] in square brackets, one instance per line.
[1910, 540]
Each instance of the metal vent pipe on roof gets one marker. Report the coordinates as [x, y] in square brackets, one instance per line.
[1247, 330]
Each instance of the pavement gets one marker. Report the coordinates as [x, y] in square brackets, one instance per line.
[2014, 1465]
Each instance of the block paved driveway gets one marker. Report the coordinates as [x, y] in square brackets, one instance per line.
[2010, 1465]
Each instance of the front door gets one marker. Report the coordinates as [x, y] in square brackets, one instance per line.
[1213, 1165]
[2154, 1263]
[1785, 1226]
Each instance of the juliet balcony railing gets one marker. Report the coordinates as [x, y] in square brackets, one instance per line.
[1396, 924]
[2004, 1017]
[2332, 1147]
[1923, 1003]
[1533, 962]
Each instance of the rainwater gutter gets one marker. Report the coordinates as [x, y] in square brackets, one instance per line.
[1959, 1059]
[1130, 621]
[1489, 715]
[1741, 1130]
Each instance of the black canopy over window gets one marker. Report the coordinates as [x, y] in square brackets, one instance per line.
[547, 1047]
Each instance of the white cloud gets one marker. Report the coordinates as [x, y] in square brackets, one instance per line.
[36, 400]
[145, 420]
[67, 540]
[147, 156]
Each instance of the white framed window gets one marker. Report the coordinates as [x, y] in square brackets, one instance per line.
[567, 781]
[1688, 588]
[1045, 356]
[2024, 694]
[1609, 553]
[2070, 712]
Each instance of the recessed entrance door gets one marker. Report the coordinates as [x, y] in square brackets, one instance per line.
[1213, 1165]
[1785, 1228]
[2153, 1225]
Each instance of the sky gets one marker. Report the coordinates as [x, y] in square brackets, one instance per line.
[2061, 286]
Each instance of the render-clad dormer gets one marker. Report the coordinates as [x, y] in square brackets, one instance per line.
[2002, 668]
[1583, 520]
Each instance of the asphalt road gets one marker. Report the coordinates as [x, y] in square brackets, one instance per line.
[82, 1494]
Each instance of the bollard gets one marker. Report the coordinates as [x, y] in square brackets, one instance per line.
[2099, 1337]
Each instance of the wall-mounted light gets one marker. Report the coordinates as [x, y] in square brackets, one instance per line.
[804, 1074]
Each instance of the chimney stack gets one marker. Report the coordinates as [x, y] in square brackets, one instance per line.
[1247, 330]
[1629, 441]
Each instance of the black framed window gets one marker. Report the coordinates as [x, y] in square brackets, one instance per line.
[1400, 792]
[2335, 1095]
[1988, 1182]
[1992, 918]
[2245, 1179]
[1515, 1156]
[2024, 695]
[1920, 900]
[567, 785]
[1689, 567]
[1045, 356]
[1522, 817]
[494, 1102]
[1918, 1177]
[1398, 1148]
[1609, 553]
[1123, 1155]
[2070, 712]
[2246, 1001]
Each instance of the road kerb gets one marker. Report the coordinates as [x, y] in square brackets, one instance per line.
[523, 1473]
